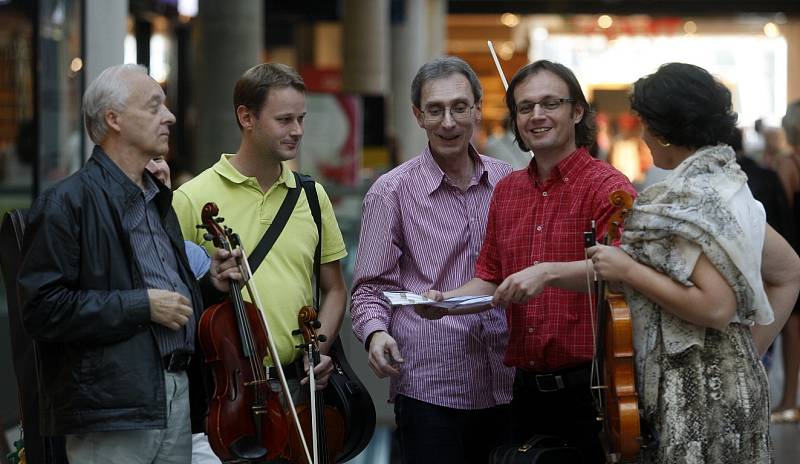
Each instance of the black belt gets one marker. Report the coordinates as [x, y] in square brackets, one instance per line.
[554, 381]
[176, 361]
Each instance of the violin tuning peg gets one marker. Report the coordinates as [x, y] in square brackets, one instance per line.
[322, 338]
[200, 226]
[219, 219]
[208, 237]
[316, 324]
[296, 332]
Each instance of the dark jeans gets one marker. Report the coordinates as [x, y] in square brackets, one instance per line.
[568, 413]
[435, 434]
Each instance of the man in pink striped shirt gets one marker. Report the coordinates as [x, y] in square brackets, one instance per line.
[423, 226]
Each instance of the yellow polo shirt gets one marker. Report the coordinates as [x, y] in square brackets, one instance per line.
[283, 280]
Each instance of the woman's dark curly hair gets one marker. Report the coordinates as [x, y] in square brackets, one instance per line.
[685, 105]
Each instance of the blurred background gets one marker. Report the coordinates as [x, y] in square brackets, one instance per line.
[358, 58]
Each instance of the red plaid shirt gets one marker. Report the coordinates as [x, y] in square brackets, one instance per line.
[533, 222]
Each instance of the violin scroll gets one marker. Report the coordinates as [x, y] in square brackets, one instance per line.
[622, 201]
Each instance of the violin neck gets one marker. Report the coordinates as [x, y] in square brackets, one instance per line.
[318, 398]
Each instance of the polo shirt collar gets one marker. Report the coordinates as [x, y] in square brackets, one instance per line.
[433, 176]
[225, 169]
[572, 164]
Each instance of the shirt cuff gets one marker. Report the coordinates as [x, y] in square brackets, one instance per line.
[370, 328]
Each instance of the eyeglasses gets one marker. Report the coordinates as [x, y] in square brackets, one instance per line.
[548, 104]
[460, 112]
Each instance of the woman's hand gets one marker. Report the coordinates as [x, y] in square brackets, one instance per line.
[610, 263]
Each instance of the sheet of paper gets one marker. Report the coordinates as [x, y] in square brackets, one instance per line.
[403, 298]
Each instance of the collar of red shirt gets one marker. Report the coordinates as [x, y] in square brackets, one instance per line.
[575, 162]
[433, 176]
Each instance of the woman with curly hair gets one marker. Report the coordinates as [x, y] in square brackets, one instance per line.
[709, 283]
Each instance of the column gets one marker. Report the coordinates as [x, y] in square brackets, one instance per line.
[229, 40]
[418, 35]
[366, 47]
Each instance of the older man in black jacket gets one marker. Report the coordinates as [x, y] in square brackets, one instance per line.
[107, 291]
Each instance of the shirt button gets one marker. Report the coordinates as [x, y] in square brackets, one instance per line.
[530, 330]
[566, 179]
[544, 194]
[535, 263]
[531, 363]
[538, 228]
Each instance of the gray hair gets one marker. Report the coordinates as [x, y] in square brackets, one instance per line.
[791, 124]
[439, 69]
[108, 91]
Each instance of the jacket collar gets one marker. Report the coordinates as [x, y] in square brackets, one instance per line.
[120, 188]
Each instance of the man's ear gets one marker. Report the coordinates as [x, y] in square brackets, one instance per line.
[418, 115]
[577, 115]
[478, 111]
[112, 120]
[245, 116]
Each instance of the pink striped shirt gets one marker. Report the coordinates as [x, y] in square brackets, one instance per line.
[420, 232]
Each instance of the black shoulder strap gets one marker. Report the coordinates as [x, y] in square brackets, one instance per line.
[275, 229]
[313, 203]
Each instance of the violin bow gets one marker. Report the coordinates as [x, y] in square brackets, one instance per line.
[502, 75]
[273, 351]
[497, 64]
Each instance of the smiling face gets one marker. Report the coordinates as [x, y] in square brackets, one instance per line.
[278, 128]
[449, 137]
[144, 123]
[549, 133]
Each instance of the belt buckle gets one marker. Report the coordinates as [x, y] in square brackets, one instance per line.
[178, 361]
[555, 382]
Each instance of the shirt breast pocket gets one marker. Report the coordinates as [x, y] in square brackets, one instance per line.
[567, 236]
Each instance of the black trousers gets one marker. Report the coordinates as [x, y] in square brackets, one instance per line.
[568, 413]
[434, 434]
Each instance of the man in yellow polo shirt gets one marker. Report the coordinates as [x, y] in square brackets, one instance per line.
[249, 188]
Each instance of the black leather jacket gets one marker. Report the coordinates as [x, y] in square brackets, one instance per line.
[84, 301]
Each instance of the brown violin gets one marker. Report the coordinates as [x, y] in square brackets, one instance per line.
[323, 425]
[246, 420]
[617, 399]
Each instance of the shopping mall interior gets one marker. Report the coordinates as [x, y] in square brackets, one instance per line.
[358, 58]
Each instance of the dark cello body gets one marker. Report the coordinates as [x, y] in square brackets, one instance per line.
[619, 407]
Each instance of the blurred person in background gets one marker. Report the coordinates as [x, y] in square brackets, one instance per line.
[709, 283]
[788, 169]
[423, 225]
[501, 145]
[775, 147]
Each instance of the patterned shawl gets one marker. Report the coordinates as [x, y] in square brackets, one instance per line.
[691, 203]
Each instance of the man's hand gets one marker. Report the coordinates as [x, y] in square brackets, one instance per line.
[384, 356]
[170, 309]
[322, 371]
[521, 286]
[431, 313]
[224, 268]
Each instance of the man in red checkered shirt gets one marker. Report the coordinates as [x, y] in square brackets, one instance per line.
[532, 259]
